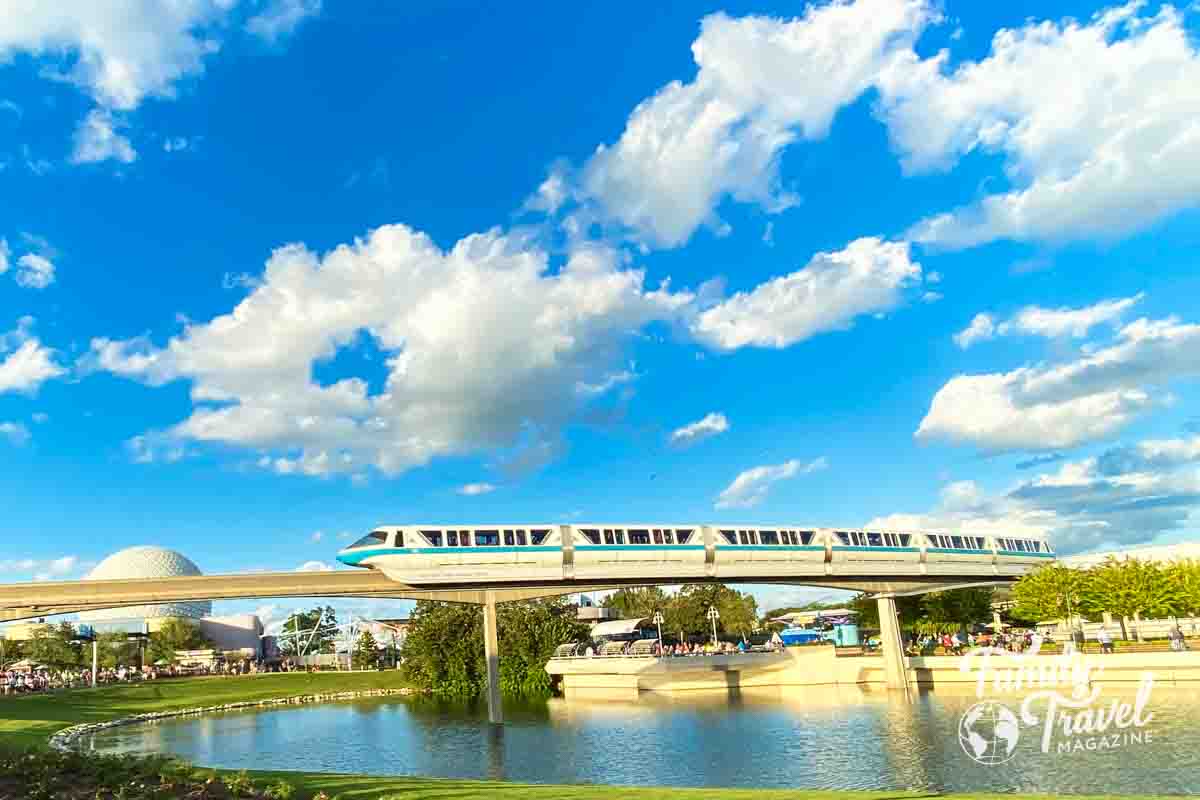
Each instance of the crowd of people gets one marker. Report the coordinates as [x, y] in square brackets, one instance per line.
[44, 679]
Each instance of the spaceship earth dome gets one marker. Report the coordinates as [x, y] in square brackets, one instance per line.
[146, 561]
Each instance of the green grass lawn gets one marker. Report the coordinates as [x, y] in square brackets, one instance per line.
[29, 721]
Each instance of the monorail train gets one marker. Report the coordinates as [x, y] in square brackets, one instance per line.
[435, 554]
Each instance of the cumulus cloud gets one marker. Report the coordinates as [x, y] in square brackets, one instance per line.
[34, 271]
[750, 488]
[15, 433]
[869, 275]
[473, 489]
[97, 139]
[281, 17]
[42, 568]
[5, 254]
[314, 566]
[1053, 406]
[761, 84]
[1096, 121]
[1050, 323]
[485, 348]
[706, 428]
[25, 364]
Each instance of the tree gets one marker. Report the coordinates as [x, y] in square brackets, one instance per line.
[366, 652]
[1185, 576]
[636, 602]
[443, 651]
[115, 650]
[952, 610]
[299, 636]
[1131, 587]
[909, 609]
[687, 611]
[175, 635]
[54, 647]
[1052, 591]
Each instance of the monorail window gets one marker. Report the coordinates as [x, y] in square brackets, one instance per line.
[768, 537]
[591, 534]
[875, 539]
[843, 537]
[538, 536]
[434, 537]
[667, 536]
[609, 536]
[658, 536]
[682, 535]
[730, 536]
[905, 539]
[806, 537]
[620, 534]
[452, 538]
[639, 536]
[958, 541]
[510, 539]
[487, 538]
[521, 538]
[374, 537]
[744, 537]
[464, 538]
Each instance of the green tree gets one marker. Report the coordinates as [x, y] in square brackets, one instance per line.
[173, 636]
[1131, 587]
[299, 636]
[115, 650]
[1185, 575]
[952, 610]
[443, 651]
[637, 602]
[908, 607]
[687, 610]
[366, 652]
[53, 646]
[1050, 592]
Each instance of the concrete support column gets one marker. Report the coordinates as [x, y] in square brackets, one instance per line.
[491, 652]
[95, 659]
[893, 645]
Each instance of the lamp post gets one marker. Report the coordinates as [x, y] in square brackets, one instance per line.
[714, 615]
[658, 621]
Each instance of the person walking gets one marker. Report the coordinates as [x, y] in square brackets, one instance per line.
[1106, 644]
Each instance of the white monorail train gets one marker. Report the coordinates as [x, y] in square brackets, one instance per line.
[520, 553]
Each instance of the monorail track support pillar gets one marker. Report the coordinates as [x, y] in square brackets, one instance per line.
[895, 668]
[491, 652]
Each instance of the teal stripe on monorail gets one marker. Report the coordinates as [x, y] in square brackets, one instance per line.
[1030, 555]
[595, 547]
[869, 549]
[721, 546]
[972, 550]
[358, 557]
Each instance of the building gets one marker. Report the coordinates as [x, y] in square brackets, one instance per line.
[802, 618]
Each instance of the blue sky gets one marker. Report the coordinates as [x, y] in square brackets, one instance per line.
[274, 272]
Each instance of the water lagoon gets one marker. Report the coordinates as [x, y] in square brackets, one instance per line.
[820, 738]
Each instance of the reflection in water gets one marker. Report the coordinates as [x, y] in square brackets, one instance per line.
[816, 737]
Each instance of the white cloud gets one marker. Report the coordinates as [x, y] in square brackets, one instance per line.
[15, 433]
[25, 364]
[762, 83]
[869, 275]
[711, 425]
[473, 489]
[1128, 495]
[281, 17]
[316, 537]
[750, 487]
[1047, 322]
[45, 568]
[175, 144]
[5, 253]
[97, 139]
[154, 448]
[239, 280]
[1045, 407]
[314, 566]
[982, 328]
[34, 271]
[485, 349]
[1096, 121]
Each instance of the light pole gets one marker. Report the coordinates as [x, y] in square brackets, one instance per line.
[714, 615]
[658, 621]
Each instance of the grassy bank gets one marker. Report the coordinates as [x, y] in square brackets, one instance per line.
[29, 721]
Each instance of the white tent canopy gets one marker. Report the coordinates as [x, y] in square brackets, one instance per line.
[616, 627]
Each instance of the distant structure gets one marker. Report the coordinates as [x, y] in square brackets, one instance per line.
[146, 561]
[236, 636]
[1161, 554]
[801, 618]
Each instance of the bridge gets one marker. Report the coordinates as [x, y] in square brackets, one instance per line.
[46, 599]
